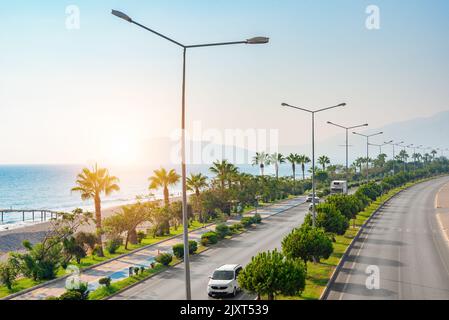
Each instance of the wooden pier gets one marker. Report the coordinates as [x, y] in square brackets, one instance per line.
[29, 215]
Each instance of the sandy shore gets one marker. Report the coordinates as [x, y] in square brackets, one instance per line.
[11, 240]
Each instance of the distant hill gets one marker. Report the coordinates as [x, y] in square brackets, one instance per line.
[430, 132]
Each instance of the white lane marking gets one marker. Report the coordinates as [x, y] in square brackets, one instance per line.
[443, 230]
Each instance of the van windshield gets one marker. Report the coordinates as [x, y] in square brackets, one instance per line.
[223, 275]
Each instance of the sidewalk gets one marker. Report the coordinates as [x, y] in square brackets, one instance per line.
[118, 269]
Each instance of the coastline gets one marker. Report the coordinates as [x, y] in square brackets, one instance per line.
[12, 238]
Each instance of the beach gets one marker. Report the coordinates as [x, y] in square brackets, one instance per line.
[11, 240]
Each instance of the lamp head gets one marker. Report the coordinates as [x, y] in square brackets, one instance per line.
[258, 40]
[121, 15]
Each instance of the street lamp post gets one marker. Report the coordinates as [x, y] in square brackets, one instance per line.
[256, 40]
[401, 145]
[391, 143]
[313, 149]
[367, 149]
[347, 141]
[412, 147]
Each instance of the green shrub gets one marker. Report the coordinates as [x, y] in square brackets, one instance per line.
[307, 243]
[193, 246]
[8, 274]
[236, 228]
[247, 221]
[178, 250]
[140, 236]
[113, 245]
[71, 295]
[105, 282]
[371, 190]
[209, 238]
[222, 230]
[97, 251]
[329, 218]
[164, 259]
[270, 273]
[81, 293]
[257, 218]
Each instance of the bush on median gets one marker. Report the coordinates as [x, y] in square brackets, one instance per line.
[164, 258]
[178, 249]
[209, 238]
[222, 231]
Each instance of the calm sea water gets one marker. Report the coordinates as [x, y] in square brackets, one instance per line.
[48, 186]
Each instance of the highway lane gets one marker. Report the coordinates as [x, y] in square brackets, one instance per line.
[407, 245]
[169, 285]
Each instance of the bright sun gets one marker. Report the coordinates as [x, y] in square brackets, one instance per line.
[121, 150]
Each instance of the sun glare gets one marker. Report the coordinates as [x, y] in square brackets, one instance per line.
[121, 151]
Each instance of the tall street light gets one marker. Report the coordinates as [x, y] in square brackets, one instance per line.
[347, 140]
[412, 147]
[367, 149]
[313, 112]
[391, 143]
[401, 145]
[256, 40]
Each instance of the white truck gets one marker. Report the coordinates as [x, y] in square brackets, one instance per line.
[339, 187]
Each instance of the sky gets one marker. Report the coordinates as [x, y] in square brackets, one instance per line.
[104, 91]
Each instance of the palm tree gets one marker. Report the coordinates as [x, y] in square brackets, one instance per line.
[261, 159]
[380, 160]
[417, 157]
[164, 179]
[303, 160]
[403, 155]
[293, 158]
[277, 159]
[358, 163]
[434, 154]
[324, 160]
[427, 157]
[196, 182]
[91, 185]
[223, 171]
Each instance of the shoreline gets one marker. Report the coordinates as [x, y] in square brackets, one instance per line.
[11, 239]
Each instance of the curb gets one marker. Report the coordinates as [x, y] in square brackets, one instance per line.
[325, 293]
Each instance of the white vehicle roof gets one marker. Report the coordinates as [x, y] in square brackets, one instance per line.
[228, 267]
[339, 181]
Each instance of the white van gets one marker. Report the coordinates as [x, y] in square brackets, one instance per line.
[224, 281]
[339, 187]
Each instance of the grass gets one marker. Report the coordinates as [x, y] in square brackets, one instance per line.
[319, 274]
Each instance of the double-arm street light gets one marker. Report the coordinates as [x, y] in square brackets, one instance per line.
[401, 145]
[256, 40]
[313, 112]
[347, 140]
[380, 146]
[367, 149]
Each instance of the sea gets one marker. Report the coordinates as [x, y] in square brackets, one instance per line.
[48, 187]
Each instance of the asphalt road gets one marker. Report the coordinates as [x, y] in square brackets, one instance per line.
[407, 246]
[169, 285]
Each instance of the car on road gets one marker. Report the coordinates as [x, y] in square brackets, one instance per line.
[311, 205]
[224, 282]
[310, 197]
